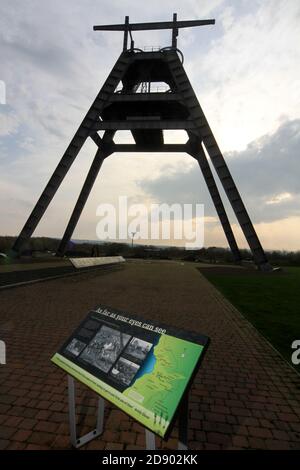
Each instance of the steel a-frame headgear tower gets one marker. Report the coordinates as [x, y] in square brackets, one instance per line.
[146, 113]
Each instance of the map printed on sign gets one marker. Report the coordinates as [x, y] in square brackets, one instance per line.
[141, 367]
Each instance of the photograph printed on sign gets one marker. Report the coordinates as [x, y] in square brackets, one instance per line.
[124, 371]
[75, 347]
[104, 349]
[138, 348]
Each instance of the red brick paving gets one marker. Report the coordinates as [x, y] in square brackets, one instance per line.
[244, 396]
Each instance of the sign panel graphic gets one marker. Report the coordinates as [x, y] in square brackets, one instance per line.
[141, 367]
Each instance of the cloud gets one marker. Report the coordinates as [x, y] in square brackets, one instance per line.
[8, 123]
[248, 76]
[266, 174]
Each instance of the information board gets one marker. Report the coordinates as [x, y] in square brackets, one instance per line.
[142, 367]
[98, 261]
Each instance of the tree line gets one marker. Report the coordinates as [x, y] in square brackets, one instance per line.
[46, 247]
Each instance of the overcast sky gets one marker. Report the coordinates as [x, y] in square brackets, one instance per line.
[245, 71]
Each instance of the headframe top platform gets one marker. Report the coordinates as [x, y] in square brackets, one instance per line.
[174, 25]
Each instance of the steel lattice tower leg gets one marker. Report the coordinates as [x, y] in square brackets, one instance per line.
[103, 151]
[198, 153]
[203, 132]
[71, 153]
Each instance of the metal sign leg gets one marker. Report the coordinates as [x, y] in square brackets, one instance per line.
[183, 424]
[72, 414]
[80, 441]
[150, 440]
[182, 428]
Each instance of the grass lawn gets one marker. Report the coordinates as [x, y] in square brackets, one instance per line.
[271, 302]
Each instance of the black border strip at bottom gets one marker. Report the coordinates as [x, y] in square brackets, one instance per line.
[134, 459]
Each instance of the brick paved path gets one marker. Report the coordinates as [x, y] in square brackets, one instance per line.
[244, 396]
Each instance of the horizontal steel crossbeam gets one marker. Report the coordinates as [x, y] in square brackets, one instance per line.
[152, 25]
[146, 148]
[132, 124]
[120, 97]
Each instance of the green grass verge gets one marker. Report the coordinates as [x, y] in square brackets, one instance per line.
[271, 302]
